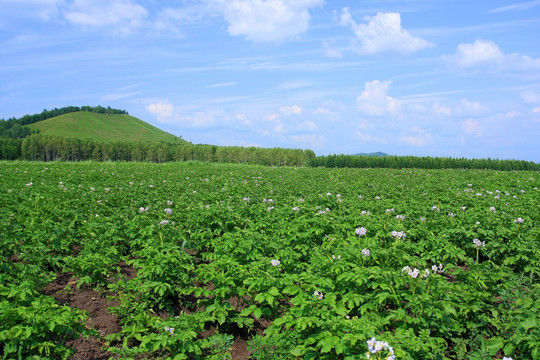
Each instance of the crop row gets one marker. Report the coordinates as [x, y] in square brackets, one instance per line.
[301, 262]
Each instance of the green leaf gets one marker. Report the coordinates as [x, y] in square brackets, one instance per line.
[274, 291]
[257, 312]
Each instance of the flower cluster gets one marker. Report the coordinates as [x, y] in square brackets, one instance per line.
[319, 294]
[400, 217]
[366, 252]
[361, 231]
[246, 199]
[168, 211]
[364, 212]
[164, 222]
[415, 272]
[399, 235]
[275, 262]
[295, 208]
[437, 269]
[143, 209]
[435, 208]
[267, 200]
[451, 214]
[170, 330]
[336, 257]
[492, 209]
[479, 243]
[519, 221]
[270, 208]
[375, 346]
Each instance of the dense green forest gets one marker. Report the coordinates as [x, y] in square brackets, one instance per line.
[17, 142]
[426, 162]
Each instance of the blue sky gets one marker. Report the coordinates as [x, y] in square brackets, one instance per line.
[453, 78]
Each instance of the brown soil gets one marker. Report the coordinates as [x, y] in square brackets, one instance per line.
[64, 290]
[99, 319]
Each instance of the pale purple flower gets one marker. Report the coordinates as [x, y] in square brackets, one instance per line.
[422, 218]
[361, 231]
[336, 257]
[435, 208]
[143, 209]
[168, 211]
[507, 358]
[492, 209]
[399, 234]
[246, 199]
[519, 221]
[328, 194]
[364, 212]
[400, 217]
[366, 252]
[388, 211]
[377, 198]
[478, 243]
[275, 262]
[270, 208]
[295, 208]
[164, 222]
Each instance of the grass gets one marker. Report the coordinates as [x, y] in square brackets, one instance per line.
[104, 127]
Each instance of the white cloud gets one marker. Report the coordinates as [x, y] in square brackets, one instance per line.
[536, 110]
[472, 127]
[309, 125]
[422, 139]
[374, 101]
[290, 110]
[266, 20]
[471, 108]
[517, 7]
[242, 118]
[43, 9]
[118, 96]
[530, 97]
[487, 55]
[441, 110]
[370, 138]
[272, 117]
[117, 16]
[219, 85]
[198, 119]
[383, 33]
[311, 141]
[163, 110]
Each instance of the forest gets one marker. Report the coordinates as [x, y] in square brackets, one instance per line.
[17, 142]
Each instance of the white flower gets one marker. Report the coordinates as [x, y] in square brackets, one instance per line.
[338, 195]
[463, 208]
[451, 214]
[164, 222]
[507, 358]
[400, 217]
[422, 218]
[270, 208]
[143, 209]
[399, 234]
[364, 212]
[168, 211]
[519, 221]
[328, 194]
[377, 198]
[295, 208]
[478, 243]
[435, 208]
[275, 262]
[361, 231]
[169, 329]
[388, 211]
[492, 209]
[246, 199]
[366, 252]
[169, 202]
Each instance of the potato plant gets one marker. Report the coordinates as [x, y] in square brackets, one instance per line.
[306, 263]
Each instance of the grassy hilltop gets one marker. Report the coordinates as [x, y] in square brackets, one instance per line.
[104, 127]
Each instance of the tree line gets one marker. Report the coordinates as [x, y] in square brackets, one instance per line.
[40, 147]
[426, 162]
[14, 128]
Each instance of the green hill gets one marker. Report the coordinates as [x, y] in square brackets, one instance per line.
[378, 153]
[104, 127]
